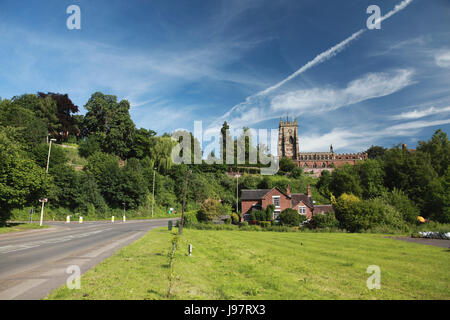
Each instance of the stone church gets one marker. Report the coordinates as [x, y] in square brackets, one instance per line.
[288, 146]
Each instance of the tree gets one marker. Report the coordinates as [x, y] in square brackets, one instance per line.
[65, 110]
[438, 147]
[111, 123]
[30, 130]
[209, 210]
[290, 217]
[323, 185]
[345, 180]
[375, 152]
[21, 180]
[43, 108]
[89, 146]
[286, 164]
[413, 173]
[371, 176]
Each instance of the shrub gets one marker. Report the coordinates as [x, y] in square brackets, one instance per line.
[228, 221]
[190, 218]
[243, 224]
[209, 210]
[235, 218]
[269, 212]
[320, 221]
[403, 204]
[265, 224]
[290, 217]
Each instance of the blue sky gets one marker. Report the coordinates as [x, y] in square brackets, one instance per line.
[246, 62]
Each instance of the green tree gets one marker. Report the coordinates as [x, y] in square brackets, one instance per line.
[286, 164]
[111, 123]
[438, 147]
[21, 180]
[371, 176]
[375, 152]
[345, 180]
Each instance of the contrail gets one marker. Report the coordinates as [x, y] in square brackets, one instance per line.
[322, 57]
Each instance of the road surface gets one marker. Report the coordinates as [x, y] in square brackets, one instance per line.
[34, 263]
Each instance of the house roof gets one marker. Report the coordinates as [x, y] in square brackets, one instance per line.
[297, 197]
[325, 208]
[258, 194]
[254, 194]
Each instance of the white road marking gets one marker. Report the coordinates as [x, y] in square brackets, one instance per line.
[12, 248]
[15, 291]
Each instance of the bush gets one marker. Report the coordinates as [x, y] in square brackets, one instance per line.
[265, 224]
[210, 210]
[290, 217]
[358, 215]
[235, 218]
[228, 221]
[190, 218]
[320, 221]
[243, 224]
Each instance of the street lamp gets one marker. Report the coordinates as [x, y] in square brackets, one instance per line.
[153, 197]
[46, 171]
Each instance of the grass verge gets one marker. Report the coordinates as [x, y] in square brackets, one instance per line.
[267, 265]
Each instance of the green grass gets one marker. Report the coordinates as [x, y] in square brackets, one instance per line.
[73, 157]
[267, 265]
[16, 227]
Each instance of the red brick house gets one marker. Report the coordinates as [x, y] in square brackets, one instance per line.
[259, 199]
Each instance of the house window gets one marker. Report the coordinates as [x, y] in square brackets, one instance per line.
[302, 210]
[276, 215]
[276, 201]
[246, 217]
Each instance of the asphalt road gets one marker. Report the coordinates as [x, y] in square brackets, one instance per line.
[34, 263]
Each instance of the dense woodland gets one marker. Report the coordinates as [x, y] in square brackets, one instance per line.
[102, 164]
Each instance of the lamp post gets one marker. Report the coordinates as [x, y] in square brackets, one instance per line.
[153, 197]
[46, 171]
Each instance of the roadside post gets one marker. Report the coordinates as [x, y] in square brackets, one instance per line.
[124, 218]
[43, 200]
[81, 219]
[68, 219]
[190, 250]
[112, 219]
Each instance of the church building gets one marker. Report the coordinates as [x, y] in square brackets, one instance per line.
[288, 146]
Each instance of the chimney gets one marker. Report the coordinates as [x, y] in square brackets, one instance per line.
[309, 190]
[288, 190]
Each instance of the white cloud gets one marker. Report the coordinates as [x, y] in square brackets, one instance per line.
[417, 125]
[442, 59]
[416, 114]
[317, 100]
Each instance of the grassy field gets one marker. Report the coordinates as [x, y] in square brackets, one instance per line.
[267, 265]
[16, 227]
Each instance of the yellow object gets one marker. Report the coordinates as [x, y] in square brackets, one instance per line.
[421, 219]
[112, 219]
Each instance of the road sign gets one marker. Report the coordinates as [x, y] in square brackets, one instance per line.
[43, 200]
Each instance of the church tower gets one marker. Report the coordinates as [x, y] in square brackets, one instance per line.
[288, 139]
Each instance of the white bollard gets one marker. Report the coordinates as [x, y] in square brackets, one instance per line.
[124, 219]
[81, 219]
[68, 219]
[112, 219]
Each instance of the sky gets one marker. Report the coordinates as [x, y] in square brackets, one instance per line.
[247, 62]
